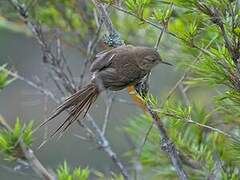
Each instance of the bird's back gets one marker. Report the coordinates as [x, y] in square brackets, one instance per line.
[122, 70]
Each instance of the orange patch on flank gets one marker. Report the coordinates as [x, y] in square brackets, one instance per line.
[137, 98]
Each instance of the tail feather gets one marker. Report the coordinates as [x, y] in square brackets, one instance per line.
[89, 105]
[69, 102]
[79, 102]
[84, 105]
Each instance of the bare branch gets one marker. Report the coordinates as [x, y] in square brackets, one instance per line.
[114, 38]
[165, 26]
[159, 38]
[144, 140]
[109, 102]
[184, 95]
[32, 84]
[105, 145]
[167, 145]
[35, 164]
[91, 48]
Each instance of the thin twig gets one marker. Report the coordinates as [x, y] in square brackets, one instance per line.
[165, 26]
[105, 145]
[62, 57]
[32, 84]
[109, 102]
[91, 49]
[144, 140]
[184, 95]
[199, 124]
[172, 90]
[159, 38]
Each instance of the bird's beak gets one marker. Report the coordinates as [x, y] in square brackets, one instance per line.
[164, 62]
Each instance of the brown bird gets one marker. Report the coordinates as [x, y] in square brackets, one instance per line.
[112, 70]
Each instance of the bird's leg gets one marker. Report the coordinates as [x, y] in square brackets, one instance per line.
[143, 86]
[139, 91]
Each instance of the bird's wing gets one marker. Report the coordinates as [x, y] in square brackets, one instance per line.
[102, 60]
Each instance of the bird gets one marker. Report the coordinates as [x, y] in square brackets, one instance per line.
[113, 70]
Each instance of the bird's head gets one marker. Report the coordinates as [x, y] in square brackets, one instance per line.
[149, 58]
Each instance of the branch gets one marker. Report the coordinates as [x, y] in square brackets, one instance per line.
[35, 164]
[103, 142]
[92, 45]
[167, 145]
[114, 38]
[32, 84]
[109, 103]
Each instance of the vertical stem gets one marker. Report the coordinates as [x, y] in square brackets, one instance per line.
[105, 145]
[167, 145]
[35, 164]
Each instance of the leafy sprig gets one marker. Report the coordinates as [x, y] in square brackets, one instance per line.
[64, 172]
[10, 140]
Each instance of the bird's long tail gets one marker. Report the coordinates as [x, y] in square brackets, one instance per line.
[77, 103]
